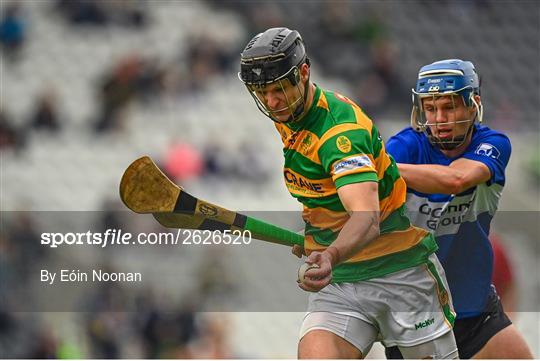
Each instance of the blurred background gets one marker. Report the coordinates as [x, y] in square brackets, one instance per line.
[87, 86]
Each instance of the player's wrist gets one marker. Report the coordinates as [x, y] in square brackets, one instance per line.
[333, 254]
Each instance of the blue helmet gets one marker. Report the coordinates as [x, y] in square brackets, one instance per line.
[443, 78]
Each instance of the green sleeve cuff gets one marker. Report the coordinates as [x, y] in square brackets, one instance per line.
[356, 178]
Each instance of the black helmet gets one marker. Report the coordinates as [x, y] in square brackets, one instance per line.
[270, 57]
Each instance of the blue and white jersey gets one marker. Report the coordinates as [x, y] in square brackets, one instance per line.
[460, 222]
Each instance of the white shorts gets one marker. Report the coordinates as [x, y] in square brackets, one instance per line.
[404, 308]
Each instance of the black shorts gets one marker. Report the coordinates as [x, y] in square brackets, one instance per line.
[473, 333]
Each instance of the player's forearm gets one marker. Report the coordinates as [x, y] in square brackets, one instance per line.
[358, 232]
[431, 178]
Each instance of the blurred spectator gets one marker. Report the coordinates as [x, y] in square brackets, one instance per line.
[67, 350]
[128, 13]
[12, 31]
[183, 162]
[150, 80]
[103, 12]
[105, 324]
[102, 330]
[245, 163]
[212, 154]
[133, 78]
[46, 345]
[348, 39]
[503, 276]
[250, 163]
[22, 336]
[338, 19]
[373, 28]
[204, 59]
[214, 341]
[216, 282]
[10, 136]
[116, 92]
[9, 277]
[110, 216]
[219, 159]
[90, 12]
[168, 334]
[382, 91]
[264, 15]
[45, 115]
[28, 252]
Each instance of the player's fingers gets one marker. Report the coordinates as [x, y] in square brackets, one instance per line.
[316, 284]
[321, 272]
[298, 251]
[307, 288]
[316, 274]
[314, 257]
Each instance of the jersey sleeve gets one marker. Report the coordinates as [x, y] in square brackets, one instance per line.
[398, 149]
[494, 151]
[348, 156]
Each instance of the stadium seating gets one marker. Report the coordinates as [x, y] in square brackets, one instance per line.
[77, 169]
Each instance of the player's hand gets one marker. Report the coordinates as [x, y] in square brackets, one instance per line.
[298, 251]
[315, 279]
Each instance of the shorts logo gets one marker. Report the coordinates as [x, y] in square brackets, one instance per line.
[343, 144]
[443, 297]
[424, 324]
[488, 150]
[351, 163]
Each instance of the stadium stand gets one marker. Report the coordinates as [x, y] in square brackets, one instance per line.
[179, 87]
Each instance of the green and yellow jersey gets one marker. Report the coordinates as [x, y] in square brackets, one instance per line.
[336, 144]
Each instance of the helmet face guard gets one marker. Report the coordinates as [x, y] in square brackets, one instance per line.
[295, 102]
[273, 58]
[447, 78]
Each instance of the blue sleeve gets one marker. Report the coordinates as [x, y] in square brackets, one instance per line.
[494, 151]
[398, 149]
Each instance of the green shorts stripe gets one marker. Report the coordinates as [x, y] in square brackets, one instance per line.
[444, 297]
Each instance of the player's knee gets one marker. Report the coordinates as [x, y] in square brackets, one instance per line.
[519, 345]
[322, 344]
[508, 344]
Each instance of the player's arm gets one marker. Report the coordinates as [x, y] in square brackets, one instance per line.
[455, 178]
[361, 200]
